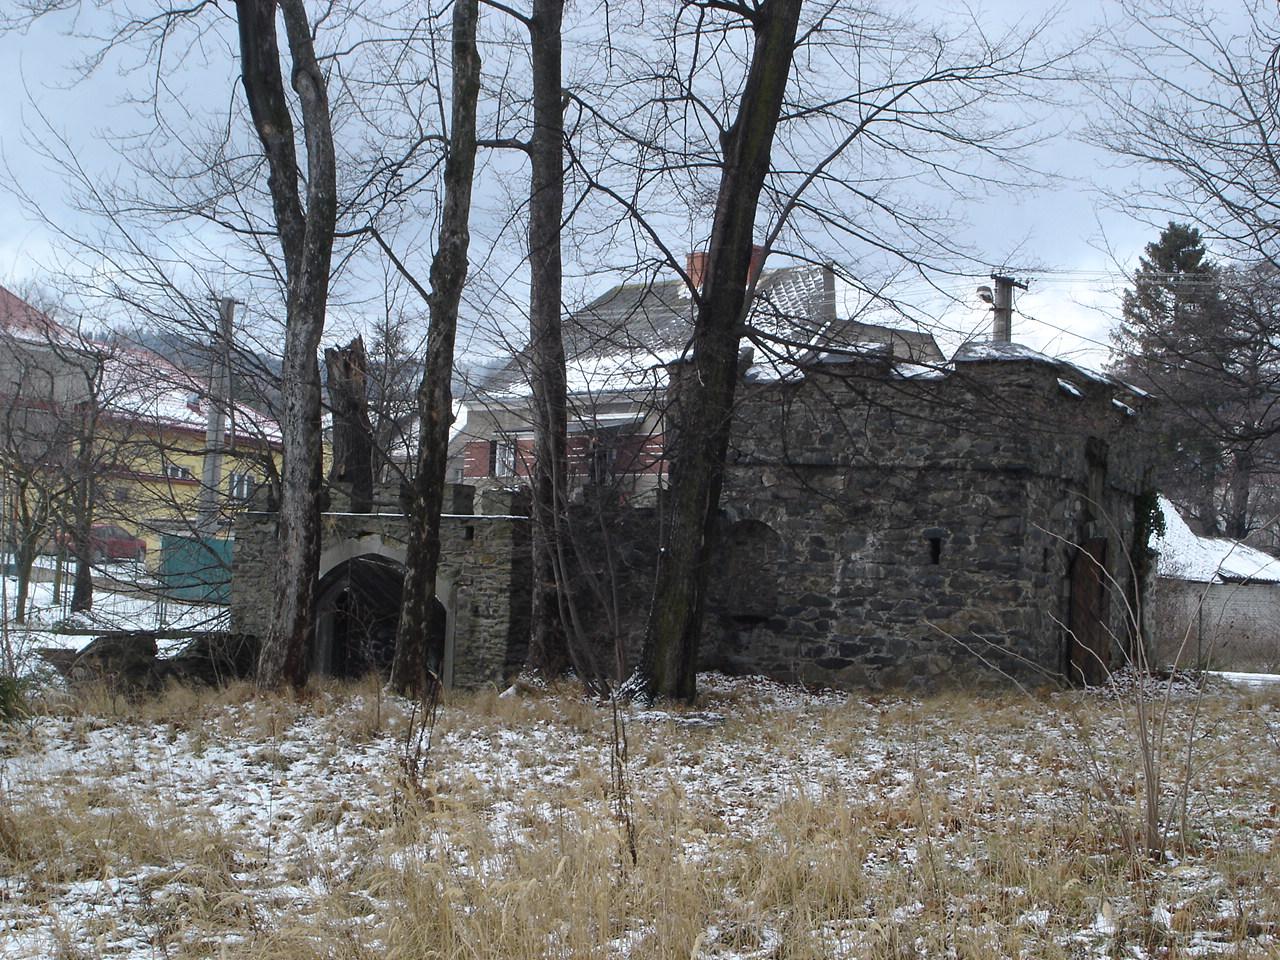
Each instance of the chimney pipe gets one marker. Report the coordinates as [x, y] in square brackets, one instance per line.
[1002, 308]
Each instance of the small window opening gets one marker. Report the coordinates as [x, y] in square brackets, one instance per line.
[935, 550]
[468, 533]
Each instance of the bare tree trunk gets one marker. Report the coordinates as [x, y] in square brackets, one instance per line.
[548, 647]
[1238, 494]
[706, 397]
[409, 670]
[352, 432]
[28, 522]
[306, 237]
[24, 561]
[81, 526]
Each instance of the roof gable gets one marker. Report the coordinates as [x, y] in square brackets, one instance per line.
[616, 342]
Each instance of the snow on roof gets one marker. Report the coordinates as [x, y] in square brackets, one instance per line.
[987, 350]
[21, 321]
[135, 383]
[620, 342]
[1184, 555]
[921, 371]
[140, 385]
[403, 444]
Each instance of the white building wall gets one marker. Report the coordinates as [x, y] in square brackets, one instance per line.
[1227, 626]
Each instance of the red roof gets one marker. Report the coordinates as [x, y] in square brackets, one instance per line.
[21, 320]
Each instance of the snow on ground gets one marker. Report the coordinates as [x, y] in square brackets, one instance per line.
[137, 606]
[1247, 679]
[769, 821]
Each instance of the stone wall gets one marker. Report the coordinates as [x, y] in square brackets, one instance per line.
[877, 529]
[919, 528]
[484, 575]
[887, 530]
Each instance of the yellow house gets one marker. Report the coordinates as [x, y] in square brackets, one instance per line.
[160, 471]
[159, 456]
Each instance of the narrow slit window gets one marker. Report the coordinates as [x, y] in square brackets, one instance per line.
[935, 550]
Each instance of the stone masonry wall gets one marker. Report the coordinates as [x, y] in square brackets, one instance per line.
[877, 529]
[922, 528]
[881, 530]
[484, 560]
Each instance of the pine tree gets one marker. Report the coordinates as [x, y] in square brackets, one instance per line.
[1199, 337]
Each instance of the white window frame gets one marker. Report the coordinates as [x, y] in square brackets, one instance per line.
[504, 459]
[240, 486]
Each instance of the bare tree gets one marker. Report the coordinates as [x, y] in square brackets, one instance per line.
[1201, 337]
[305, 208]
[706, 396]
[805, 135]
[353, 436]
[1193, 95]
[409, 671]
[46, 397]
[548, 648]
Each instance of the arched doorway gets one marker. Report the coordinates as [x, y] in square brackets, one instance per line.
[357, 612]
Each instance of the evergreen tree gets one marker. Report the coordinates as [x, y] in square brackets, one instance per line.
[1200, 337]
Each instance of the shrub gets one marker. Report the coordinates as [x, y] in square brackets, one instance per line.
[13, 700]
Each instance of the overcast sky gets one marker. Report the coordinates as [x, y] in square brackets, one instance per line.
[1062, 239]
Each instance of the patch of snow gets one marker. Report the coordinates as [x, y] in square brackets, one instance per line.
[1069, 388]
[983, 350]
[1186, 556]
[1247, 679]
[1035, 918]
[987, 350]
[920, 371]
[1105, 922]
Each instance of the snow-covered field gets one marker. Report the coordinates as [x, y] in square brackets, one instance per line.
[770, 823]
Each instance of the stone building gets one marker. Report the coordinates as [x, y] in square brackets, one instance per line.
[890, 524]
[483, 585]
[884, 522]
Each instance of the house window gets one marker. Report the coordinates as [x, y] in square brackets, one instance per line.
[602, 455]
[502, 458]
[175, 472]
[241, 486]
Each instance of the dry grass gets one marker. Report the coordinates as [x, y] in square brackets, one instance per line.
[223, 824]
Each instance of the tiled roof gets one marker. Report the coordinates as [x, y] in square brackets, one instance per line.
[615, 342]
[135, 383]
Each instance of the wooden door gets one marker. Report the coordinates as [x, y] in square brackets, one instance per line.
[1089, 640]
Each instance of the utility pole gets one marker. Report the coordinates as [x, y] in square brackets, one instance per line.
[216, 428]
[1002, 308]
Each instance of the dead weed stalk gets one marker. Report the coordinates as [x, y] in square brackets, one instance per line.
[419, 738]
